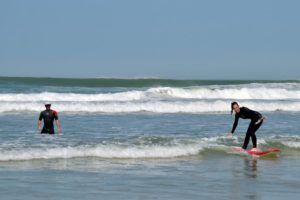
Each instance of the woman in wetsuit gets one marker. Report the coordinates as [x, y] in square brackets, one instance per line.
[256, 121]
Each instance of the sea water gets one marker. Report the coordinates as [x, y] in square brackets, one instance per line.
[146, 139]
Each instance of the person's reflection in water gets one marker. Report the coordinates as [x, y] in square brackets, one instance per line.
[251, 167]
[244, 183]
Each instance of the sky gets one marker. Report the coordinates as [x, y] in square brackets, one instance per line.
[187, 39]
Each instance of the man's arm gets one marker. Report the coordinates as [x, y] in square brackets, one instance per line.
[58, 125]
[57, 121]
[39, 125]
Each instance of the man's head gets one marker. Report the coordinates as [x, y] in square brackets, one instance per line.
[48, 106]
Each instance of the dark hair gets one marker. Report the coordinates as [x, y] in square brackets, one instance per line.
[232, 104]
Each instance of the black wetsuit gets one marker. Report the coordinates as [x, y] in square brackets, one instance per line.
[48, 116]
[246, 113]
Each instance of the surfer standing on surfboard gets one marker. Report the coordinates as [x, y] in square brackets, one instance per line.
[256, 121]
[48, 116]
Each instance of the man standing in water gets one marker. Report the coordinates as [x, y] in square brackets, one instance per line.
[48, 116]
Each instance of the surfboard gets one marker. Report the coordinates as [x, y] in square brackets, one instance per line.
[269, 152]
[275, 150]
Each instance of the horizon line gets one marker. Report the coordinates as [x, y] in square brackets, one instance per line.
[146, 78]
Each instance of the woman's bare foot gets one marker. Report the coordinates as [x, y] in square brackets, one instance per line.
[254, 149]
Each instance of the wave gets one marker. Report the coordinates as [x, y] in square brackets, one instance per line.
[74, 97]
[259, 92]
[216, 98]
[201, 93]
[149, 106]
[101, 151]
[125, 82]
[170, 148]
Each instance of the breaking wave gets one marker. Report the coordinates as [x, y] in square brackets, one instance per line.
[171, 149]
[263, 97]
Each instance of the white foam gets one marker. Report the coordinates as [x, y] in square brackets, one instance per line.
[229, 93]
[101, 151]
[52, 96]
[291, 141]
[201, 93]
[292, 144]
[174, 148]
[149, 106]
[262, 97]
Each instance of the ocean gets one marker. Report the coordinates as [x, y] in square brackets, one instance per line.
[146, 139]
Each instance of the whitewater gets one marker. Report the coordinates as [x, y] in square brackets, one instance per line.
[196, 99]
[149, 136]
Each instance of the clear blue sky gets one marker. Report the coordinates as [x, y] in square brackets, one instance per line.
[187, 39]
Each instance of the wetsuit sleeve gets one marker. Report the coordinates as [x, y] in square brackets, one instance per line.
[236, 121]
[41, 116]
[55, 115]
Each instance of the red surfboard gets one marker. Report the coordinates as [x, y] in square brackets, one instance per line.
[256, 153]
[259, 153]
